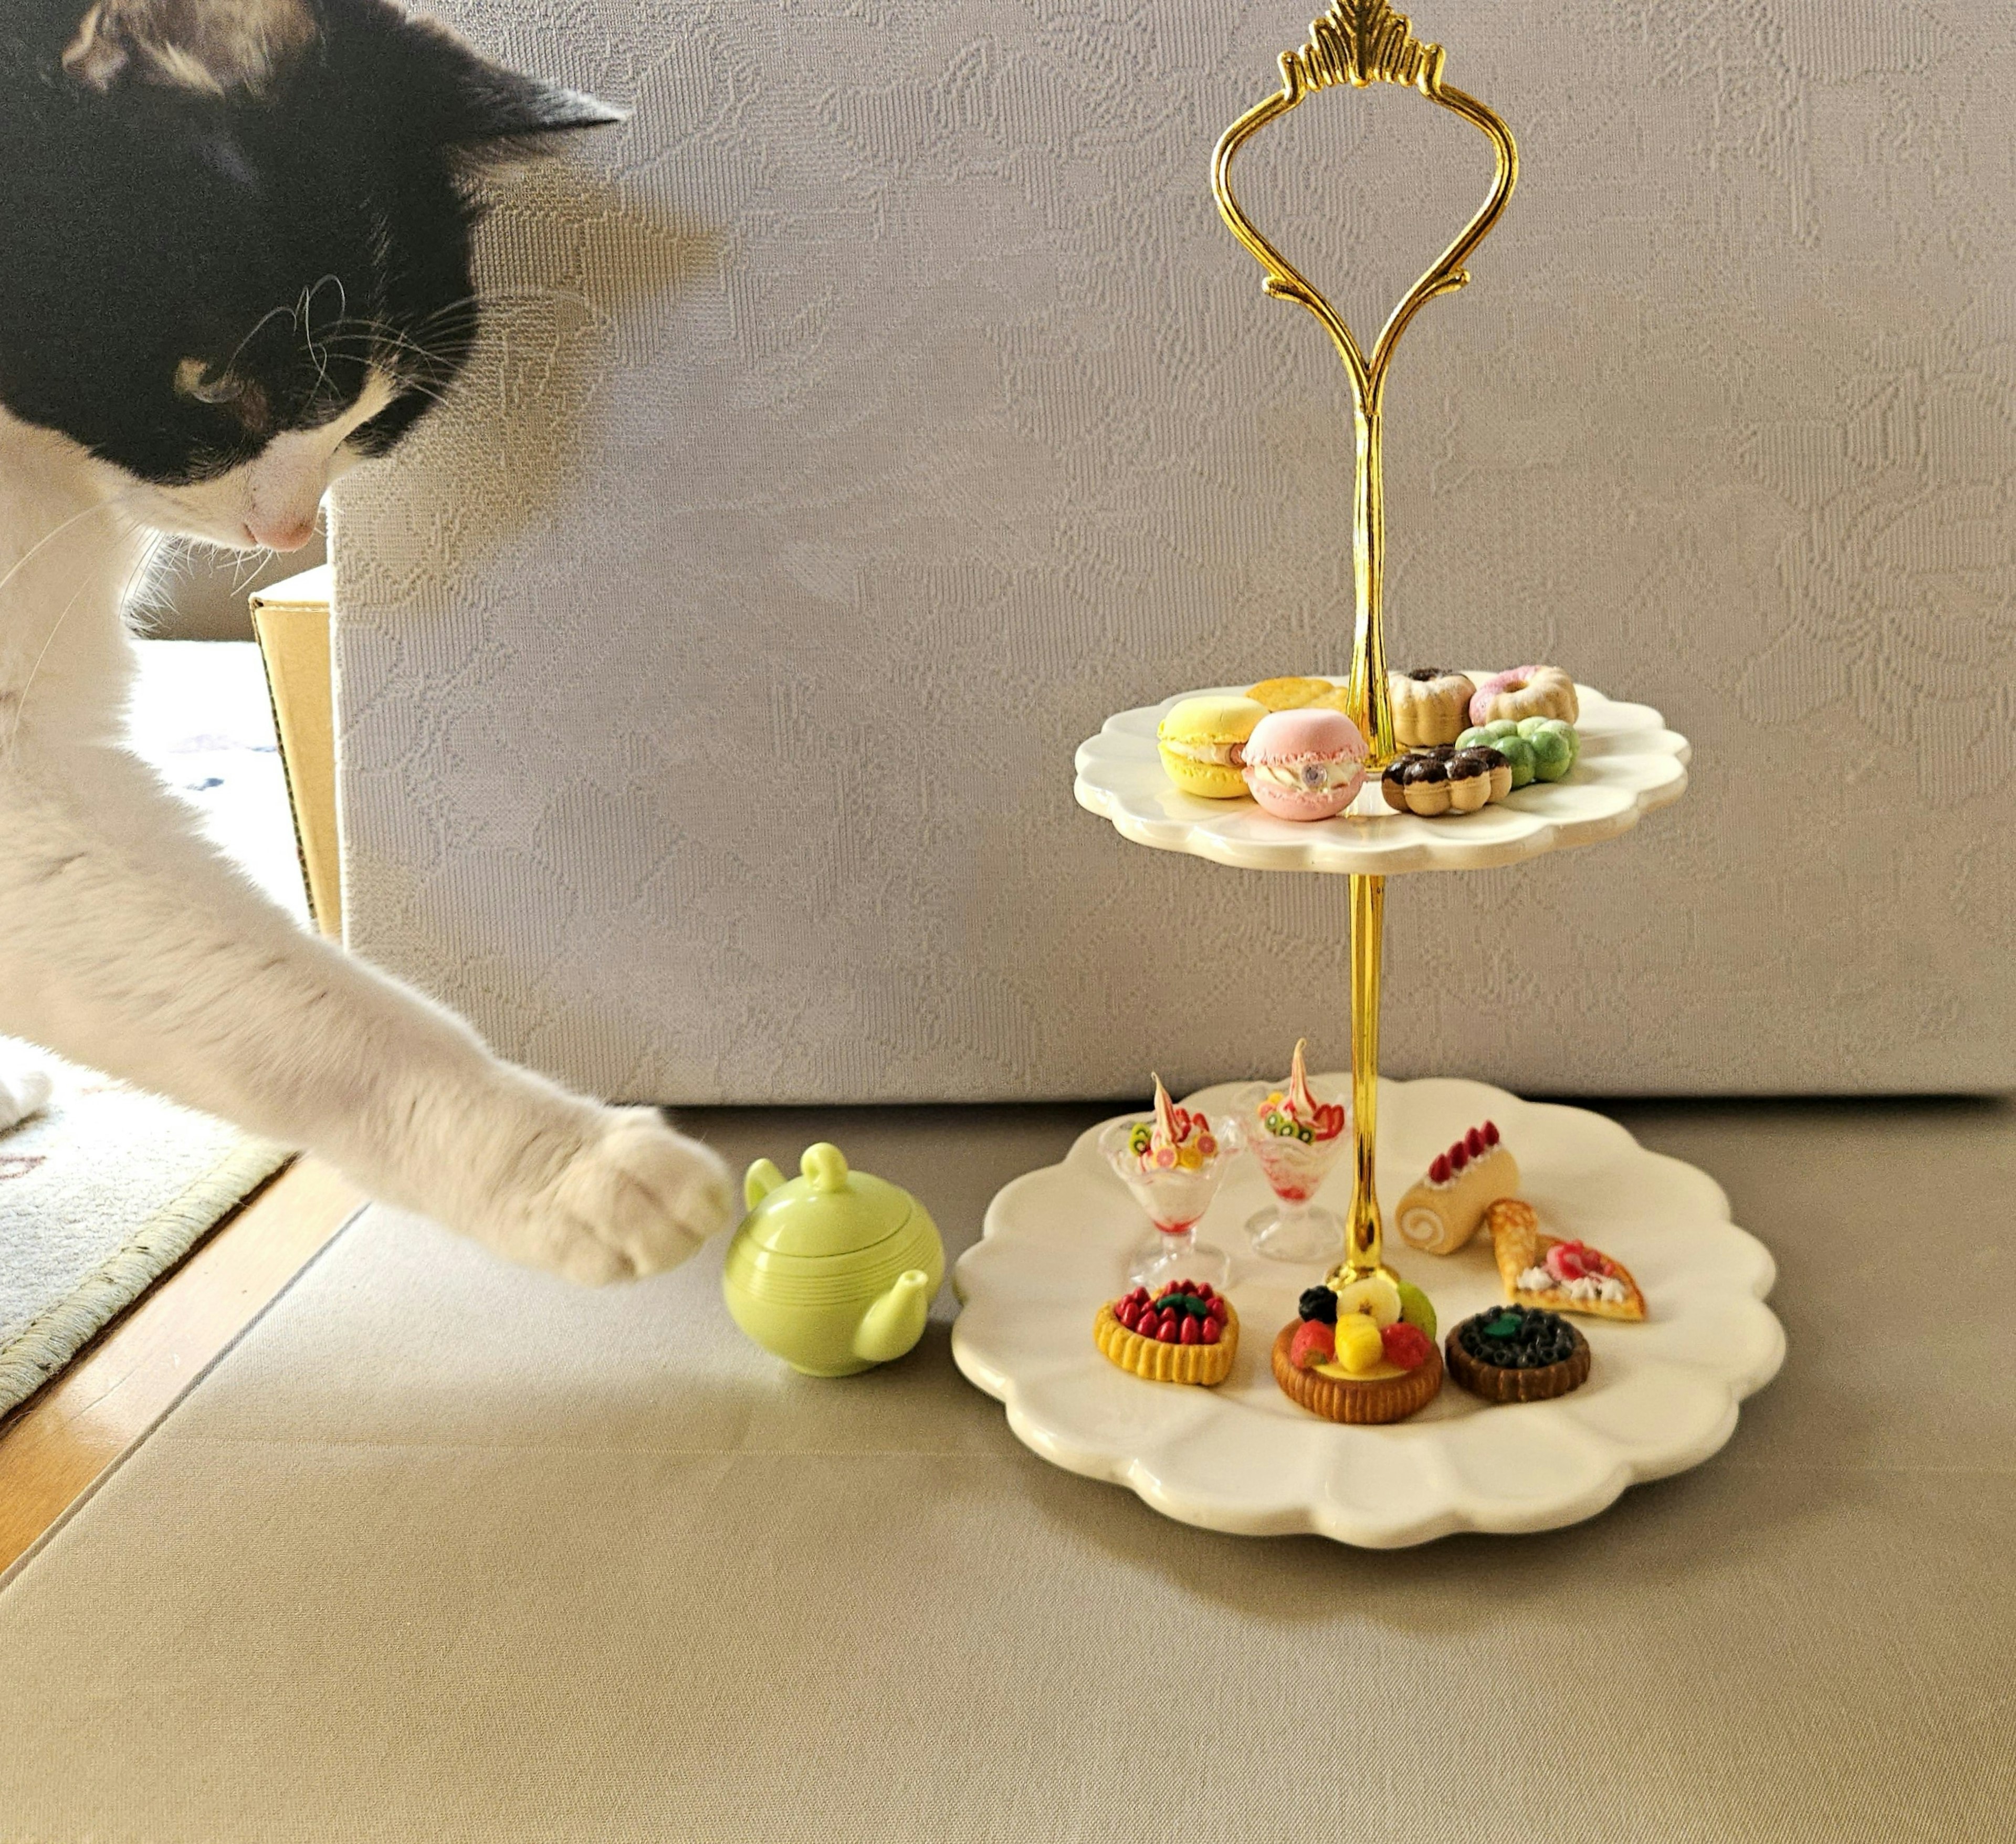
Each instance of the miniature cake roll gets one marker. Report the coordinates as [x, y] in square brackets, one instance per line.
[1429, 705]
[1443, 1212]
[1553, 1275]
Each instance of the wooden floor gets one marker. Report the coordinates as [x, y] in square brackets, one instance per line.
[63, 1440]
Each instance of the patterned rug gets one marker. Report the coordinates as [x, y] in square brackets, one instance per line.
[104, 1189]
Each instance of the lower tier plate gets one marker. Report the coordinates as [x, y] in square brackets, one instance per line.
[1662, 1395]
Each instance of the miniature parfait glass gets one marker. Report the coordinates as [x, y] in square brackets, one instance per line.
[1295, 1156]
[1175, 1197]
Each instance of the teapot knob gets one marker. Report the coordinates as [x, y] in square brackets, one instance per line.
[824, 1167]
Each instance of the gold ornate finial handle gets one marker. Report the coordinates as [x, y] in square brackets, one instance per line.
[1360, 42]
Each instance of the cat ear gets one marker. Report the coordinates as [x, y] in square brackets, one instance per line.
[453, 97]
[213, 47]
[499, 115]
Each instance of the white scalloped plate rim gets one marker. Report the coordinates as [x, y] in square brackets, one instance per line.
[1242, 1459]
[1630, 765]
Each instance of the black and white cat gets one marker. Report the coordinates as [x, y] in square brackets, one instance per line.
[234, 262]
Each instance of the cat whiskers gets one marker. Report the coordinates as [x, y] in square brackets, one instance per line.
[114, 504]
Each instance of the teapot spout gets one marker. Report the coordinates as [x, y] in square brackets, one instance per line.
[896, 1321]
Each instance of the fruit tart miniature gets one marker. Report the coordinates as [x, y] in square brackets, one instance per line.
[1557, 1276]
[1443, 1212]
[1186, 1333]
[1515, 1354]
[1295, 1132]
[1429, 705]
[1526, 691]
[1538, 749]
[1304, 764]
[1365, 1355]
[1201, 741]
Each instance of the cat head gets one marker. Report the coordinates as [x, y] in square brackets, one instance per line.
[234, 239]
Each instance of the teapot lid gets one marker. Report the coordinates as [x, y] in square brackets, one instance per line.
[827, 1211]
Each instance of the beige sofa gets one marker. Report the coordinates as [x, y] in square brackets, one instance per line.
[884, 405]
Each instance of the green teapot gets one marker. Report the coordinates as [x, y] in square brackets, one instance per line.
[833, 1271]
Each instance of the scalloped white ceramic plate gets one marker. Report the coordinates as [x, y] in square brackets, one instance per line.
[1661, 1396]
[1629, 764]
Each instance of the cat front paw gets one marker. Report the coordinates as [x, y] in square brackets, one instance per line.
[638, 1197]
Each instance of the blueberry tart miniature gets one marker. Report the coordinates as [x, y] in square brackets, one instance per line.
[1364, 1356]
[1517, 1354]
[1185, 1332]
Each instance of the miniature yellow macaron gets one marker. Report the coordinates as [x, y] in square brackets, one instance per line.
[1200, 739]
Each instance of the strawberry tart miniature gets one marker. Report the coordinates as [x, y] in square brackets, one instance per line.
[1185, 1333]
[1173, 1163]
[1364, 1355]
[1304, 764]
[1443, 1210]
[1555, 1276]
[1295, 1131]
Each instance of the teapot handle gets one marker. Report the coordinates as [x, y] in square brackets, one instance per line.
[763, 1178]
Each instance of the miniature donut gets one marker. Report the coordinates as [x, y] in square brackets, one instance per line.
[1442, 780]
[1525, 691]
[1429, 705]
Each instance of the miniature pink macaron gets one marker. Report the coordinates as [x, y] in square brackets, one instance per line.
[1305, 764]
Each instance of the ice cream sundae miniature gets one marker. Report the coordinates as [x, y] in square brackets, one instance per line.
[1173, 1163]
[1295, 1131]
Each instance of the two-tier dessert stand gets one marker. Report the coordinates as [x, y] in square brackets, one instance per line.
[1241, 1457]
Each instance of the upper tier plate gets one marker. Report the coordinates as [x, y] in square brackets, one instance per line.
[1630, 763]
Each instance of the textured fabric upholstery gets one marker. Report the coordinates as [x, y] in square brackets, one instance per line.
[885, 404]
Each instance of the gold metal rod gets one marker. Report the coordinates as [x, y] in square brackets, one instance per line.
[1359, 42]
[1364, 1236]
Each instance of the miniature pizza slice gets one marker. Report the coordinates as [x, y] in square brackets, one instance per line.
[1554, 1276]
